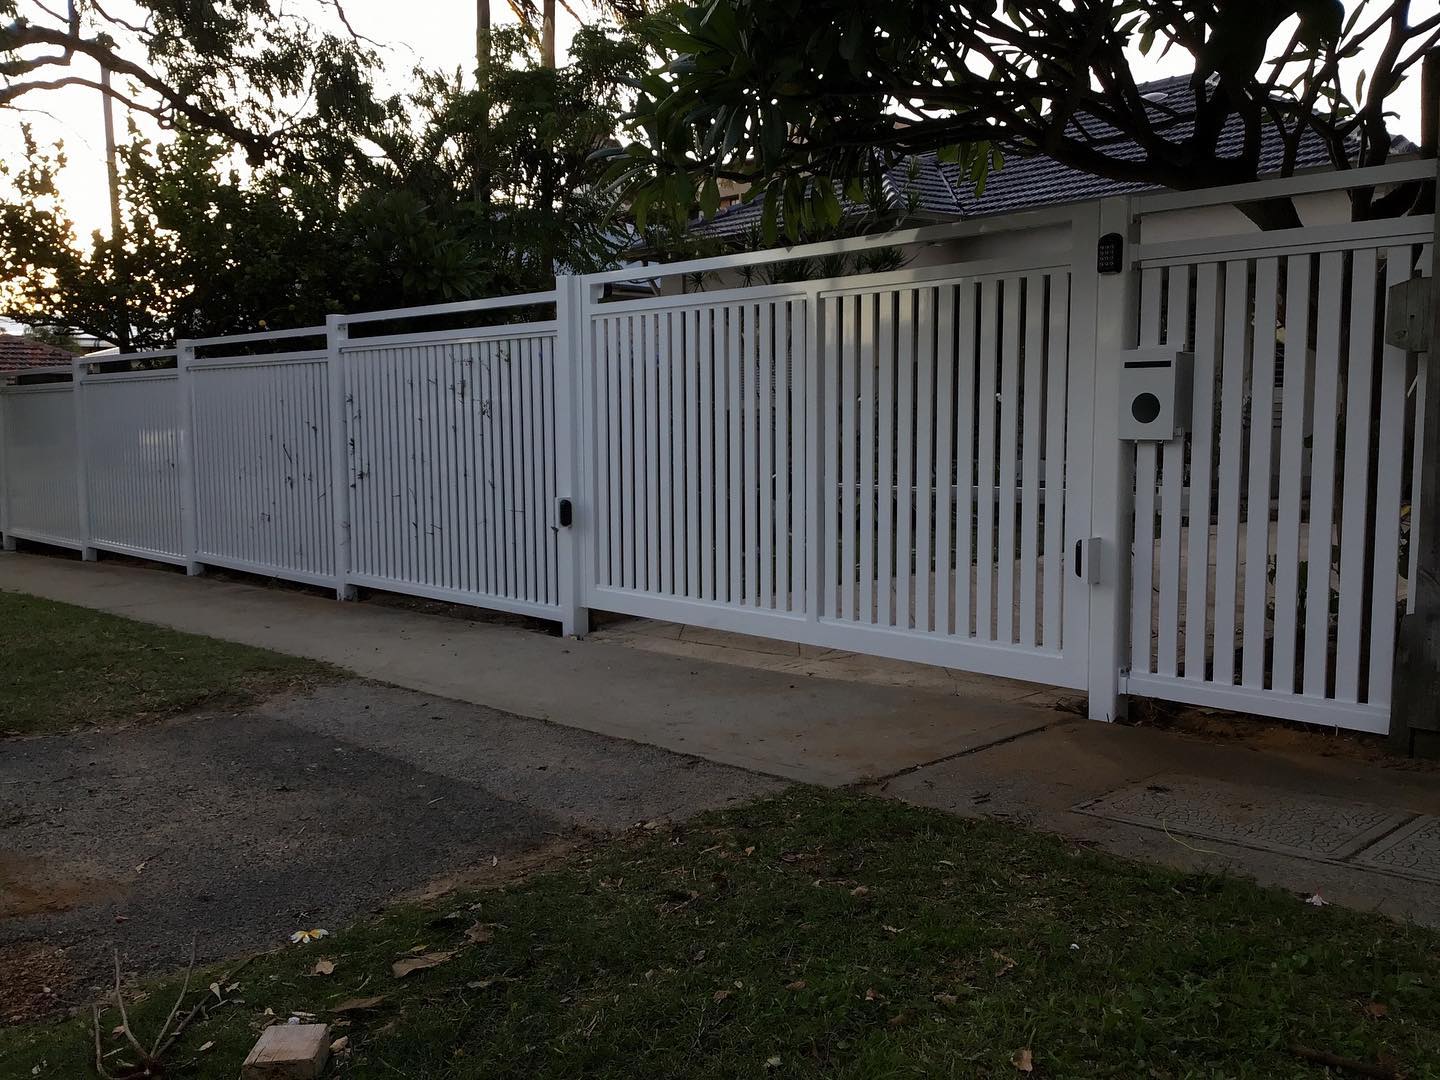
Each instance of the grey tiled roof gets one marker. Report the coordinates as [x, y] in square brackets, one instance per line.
[929, 189]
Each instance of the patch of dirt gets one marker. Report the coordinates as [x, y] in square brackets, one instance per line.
[33, 886]
[37, 980]
[508, 870]
[1276, 736]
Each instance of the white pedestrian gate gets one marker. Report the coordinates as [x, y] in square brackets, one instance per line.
[922, 464]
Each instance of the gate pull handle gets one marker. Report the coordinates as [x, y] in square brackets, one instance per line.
[1087, 567]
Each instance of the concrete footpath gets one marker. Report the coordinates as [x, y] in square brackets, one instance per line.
[1358, 830]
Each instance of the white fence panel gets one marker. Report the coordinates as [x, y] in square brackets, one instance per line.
[262, 446]
[453, 468]
[131, 432]
[945, 407]
[40, 460]
[699, 459]
[1268, 559]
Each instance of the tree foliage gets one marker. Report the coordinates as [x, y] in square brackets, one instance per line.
[460, 192]
[262, 76]
[778, 93]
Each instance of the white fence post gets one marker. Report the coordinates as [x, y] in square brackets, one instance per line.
[337, 332]
[82, 486]
[7, 542]
[570, 470]
[1112, 298]
[185, 453]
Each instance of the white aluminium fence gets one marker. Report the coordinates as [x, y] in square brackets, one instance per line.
[452, 463]
[923, 464]
[419, 462]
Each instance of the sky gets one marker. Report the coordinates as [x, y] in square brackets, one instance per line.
[438, 33]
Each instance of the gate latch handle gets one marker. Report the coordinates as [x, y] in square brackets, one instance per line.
[1087, 563]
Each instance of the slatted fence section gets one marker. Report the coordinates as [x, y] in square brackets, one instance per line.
[1268, 561]
[131, 433]
[453, 468]
[699, 458]
[945, 409]
[262, 434]
[41, 491]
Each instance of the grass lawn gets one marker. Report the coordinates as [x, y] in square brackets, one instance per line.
[826, 934]
[63, 667]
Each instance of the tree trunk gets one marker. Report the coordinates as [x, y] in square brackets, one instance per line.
[117, 229]
[482, 41]
[547, 34]
[482, 80]
[548, 179]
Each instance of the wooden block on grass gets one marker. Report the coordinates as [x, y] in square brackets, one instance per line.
[289, 1052]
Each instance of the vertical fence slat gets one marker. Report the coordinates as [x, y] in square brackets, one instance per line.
[1293, 394]
[694, 396]
[665, 453]
[1057, 368]
[1257, 501]
[969, 363]
[1172, 476]
[885, 458]
[1322, 474]
[987, 361]
[947, 360]
[765, 422]
[1208, 317]
[924, 459]
[1030, 433]
[869, 362]
[1142, 559]
[1011, 301]
[784, 434]
[1227, 530]
[852, 353]
[735, 482]
[832, 476]
[905, 454]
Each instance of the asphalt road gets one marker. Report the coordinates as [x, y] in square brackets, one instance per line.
[241, 827]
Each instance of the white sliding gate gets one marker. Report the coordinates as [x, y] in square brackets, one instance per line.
[875, 463]
[921, 464]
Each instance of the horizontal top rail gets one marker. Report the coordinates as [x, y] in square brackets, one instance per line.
[259, 335]
[300, 356]
[1308, 183]
[22, 372]
[953, 230]
[122, 358]
[1416, 229]
[451, 337]
[491, 303]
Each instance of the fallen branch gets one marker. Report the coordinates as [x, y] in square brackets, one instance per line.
[1335, 1061]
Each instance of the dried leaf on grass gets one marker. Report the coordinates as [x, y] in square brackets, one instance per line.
[411, 964]
[1023, 1060]
[480, 934]
[323, 967]
[359, 1004]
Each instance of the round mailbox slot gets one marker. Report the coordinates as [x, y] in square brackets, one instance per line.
[1145, 408]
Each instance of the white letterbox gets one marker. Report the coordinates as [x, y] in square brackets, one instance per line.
[1155, 393]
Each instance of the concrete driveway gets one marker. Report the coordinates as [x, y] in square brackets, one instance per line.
[241, 827]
